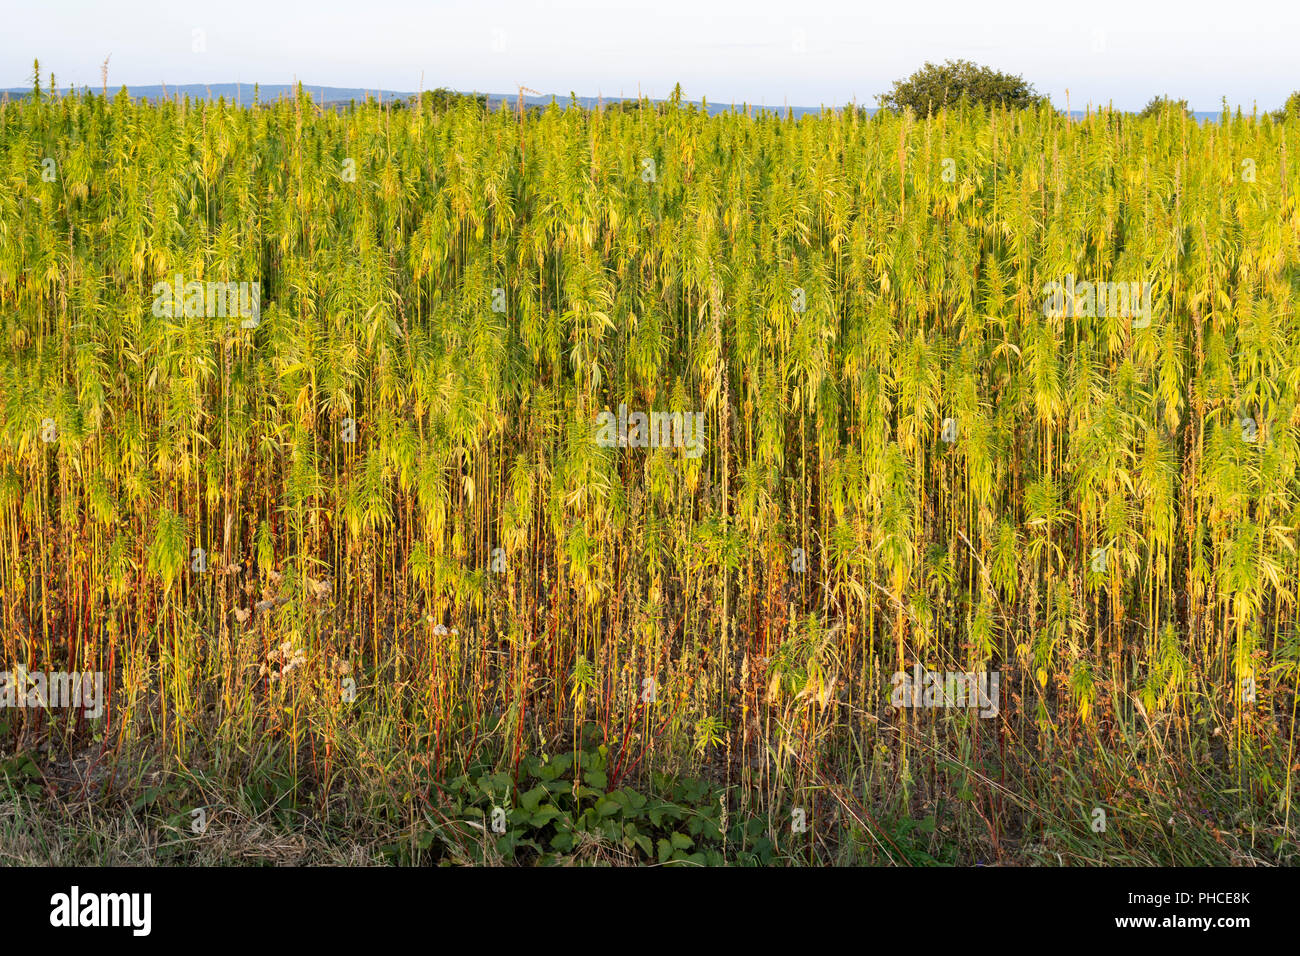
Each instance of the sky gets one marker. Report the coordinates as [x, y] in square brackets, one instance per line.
[805, 53]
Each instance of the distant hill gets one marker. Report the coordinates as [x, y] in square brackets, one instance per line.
[336, 96]
[239, 92]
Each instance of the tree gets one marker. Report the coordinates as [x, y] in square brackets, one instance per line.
[1290, 108]
[933, 88]
[443, 99]
[625, 105]
[1157, 105]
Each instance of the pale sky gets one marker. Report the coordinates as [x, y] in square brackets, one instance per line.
[806, 53]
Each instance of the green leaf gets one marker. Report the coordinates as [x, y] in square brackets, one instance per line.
[530, 800]
[544, 816]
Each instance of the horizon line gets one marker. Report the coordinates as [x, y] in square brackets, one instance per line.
[382, 92]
